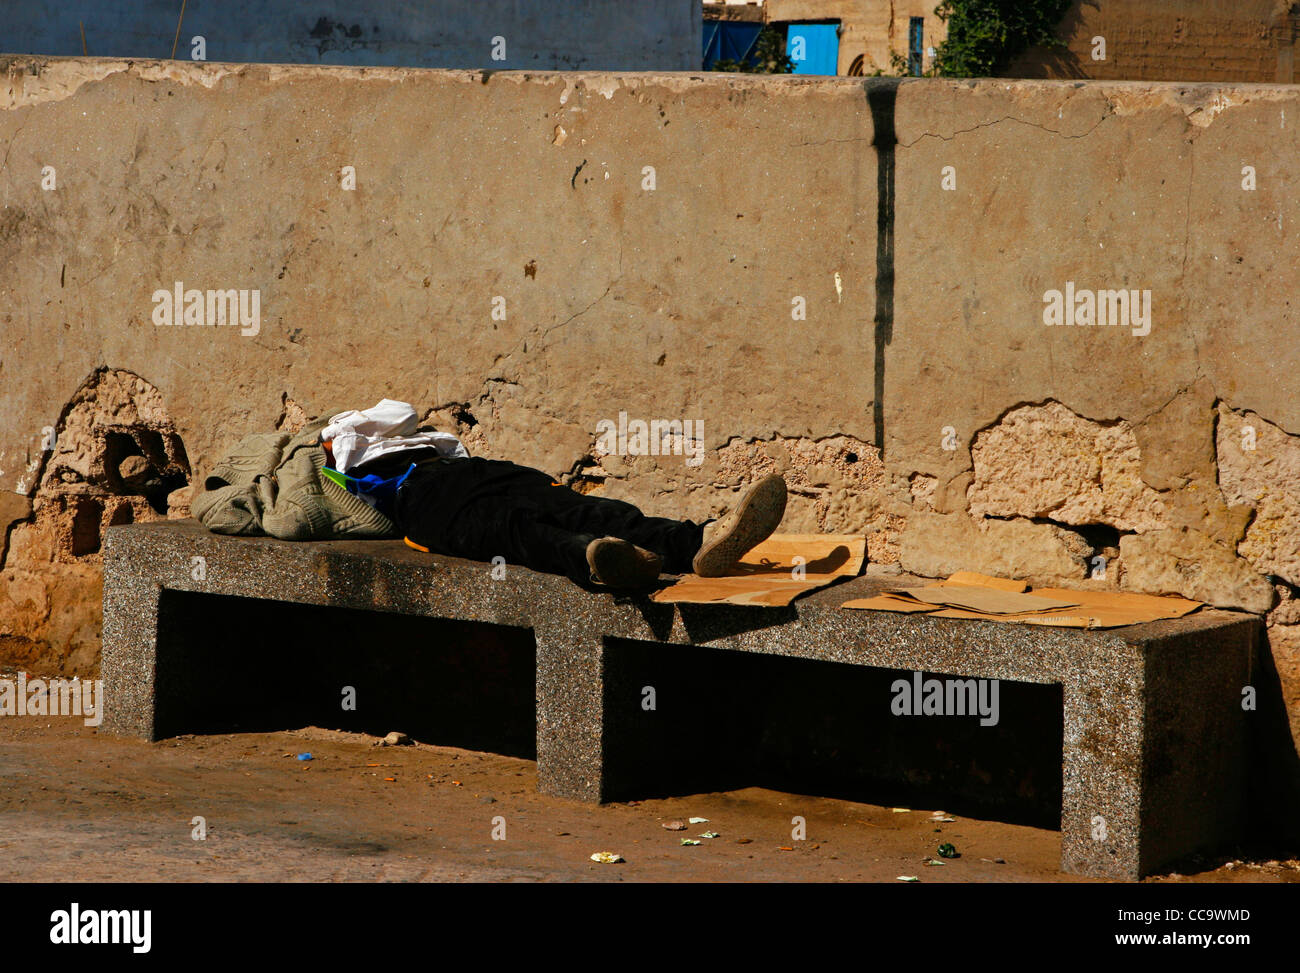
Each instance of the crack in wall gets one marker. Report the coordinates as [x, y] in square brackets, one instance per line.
[1007, 118]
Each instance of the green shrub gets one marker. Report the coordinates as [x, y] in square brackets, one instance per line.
[984, 36]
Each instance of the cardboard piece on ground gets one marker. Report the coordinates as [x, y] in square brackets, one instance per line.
[1074, 609]
[889, 603]
[975, 579]
[765, 576]
[1109, 609]
[990, 601]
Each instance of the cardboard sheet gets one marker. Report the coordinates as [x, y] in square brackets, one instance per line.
[765, 576]
[890, 603]
[990, 601]
[1109, 609]
[975, 579]
[969, 595]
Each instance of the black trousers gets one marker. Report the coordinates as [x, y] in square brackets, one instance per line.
[480, 509]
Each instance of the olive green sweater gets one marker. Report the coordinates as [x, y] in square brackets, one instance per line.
[272, 484]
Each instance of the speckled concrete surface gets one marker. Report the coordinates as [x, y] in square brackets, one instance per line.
[1154, 750]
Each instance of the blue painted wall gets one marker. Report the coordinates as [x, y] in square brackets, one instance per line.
[611, 35]
[821, 48]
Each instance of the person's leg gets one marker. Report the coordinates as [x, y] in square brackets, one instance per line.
[430, 500]
[676, 541]
[497, 509]
[506, 527]
[525, 512]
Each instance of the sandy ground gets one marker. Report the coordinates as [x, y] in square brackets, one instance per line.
[78, 806]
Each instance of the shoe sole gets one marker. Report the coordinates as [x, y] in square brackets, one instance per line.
[757, 518]
[618, 563]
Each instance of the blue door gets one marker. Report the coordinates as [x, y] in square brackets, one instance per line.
[814, 48]
[915, 29]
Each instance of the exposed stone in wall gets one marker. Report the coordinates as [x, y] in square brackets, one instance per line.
[1286, 609]
[1186, 562]
[922, 487]
[1045, 462]
[937, 545]
[292, 416]
[14, 508]
[1178, 459]
[115, 458]
[837, 485]
[1284, 644]
[950, 496]
[1259, 467]
[502, 423]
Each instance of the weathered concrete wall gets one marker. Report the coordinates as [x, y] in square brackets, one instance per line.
[504, 263]
[593, 35]
[1171, 40]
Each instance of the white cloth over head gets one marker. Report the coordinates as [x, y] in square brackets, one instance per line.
[389, 427]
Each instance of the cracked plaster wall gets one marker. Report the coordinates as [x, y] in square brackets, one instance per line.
[1007, 444]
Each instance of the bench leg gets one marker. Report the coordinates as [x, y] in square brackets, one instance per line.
[129, 661]
[1101, 779]
[1196, 754]
[570, 714]
[1157, 756]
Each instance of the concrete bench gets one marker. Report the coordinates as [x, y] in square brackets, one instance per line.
[1155, 742]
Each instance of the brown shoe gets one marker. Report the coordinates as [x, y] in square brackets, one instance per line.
[621, 564]
[753, 521]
